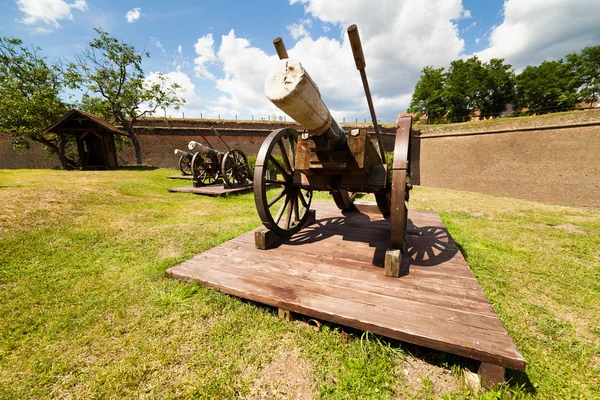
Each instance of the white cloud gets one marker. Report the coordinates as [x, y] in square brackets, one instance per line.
[477, 40]
[39, 30]
[399, 38]
[297, 30]
[245, 69]
[538, 30]
[158, 44]
[48, 11]
[473, 24]
[465, 14]
[133, 14]
[193, 106]
[205, 56]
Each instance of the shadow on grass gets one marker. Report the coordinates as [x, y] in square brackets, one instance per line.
[518, 379]
[138, 168]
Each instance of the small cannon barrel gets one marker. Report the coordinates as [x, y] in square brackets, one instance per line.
[202, 149]
[182, 153]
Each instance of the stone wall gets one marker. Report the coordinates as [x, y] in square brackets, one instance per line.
[560, 166]
[32, 158]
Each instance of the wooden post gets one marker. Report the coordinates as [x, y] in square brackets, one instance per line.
[490, 374]
[394, 265]
[284, 314]
[267, 239]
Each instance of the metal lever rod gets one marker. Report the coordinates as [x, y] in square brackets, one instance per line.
[280, 48]
[219, 136]
[359, 59]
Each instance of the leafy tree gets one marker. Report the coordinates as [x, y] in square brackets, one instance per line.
[586, 66]
[546, 86]
[112, 70]
[30, 99]
[428, 96]
[497, 87]
[463, 87]
[96, 105]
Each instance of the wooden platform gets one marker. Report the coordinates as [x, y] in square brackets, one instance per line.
[186, 177]
[213, 190]
[333, 271]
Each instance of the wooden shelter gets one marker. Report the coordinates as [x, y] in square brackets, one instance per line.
[95, 138]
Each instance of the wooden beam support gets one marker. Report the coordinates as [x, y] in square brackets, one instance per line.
[284, 314]
[394, 266]
[265, 239]
[490, 375]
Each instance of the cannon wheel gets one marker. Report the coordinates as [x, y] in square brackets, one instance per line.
[185, 165]
[234, 168]
[343, 199]
[383, 200]
[202, 174]
[282, 205]
[400, 187]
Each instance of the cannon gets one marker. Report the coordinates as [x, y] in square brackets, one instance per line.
[324, 157]
[185, 161]
[209, 165]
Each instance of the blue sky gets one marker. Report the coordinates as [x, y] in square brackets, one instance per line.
[221, 51]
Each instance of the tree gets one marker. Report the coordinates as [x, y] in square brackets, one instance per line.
[463, 88]
[497, 87]
[428, 96]
[30, 99]
[586, 67]
[113, 71]
[549, 85]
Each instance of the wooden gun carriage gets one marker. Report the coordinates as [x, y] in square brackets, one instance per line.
[185, 161]
[324, 157]
[209, 165]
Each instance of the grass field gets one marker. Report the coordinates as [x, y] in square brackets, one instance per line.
[87, 312]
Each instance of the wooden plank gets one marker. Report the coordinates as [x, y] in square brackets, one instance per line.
[370, 317]
[483, 317]
[329, 271]
[212, 190]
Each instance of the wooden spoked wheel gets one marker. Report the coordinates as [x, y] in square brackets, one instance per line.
[383, 200]
[342, 199]
[202, 173]
[282, 205]
[234, 168]
[185, 165]
[400, 187]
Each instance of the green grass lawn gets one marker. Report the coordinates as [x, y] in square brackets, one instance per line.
[86, 310]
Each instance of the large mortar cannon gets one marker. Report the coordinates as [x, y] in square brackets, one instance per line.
[325, 157]
[208, 165]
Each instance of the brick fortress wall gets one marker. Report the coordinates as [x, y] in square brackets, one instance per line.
[159, 137]
[559, 166]
[32, 158]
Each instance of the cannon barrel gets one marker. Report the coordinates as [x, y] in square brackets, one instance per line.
[202, 149]
[182, 153]
[291, 89]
